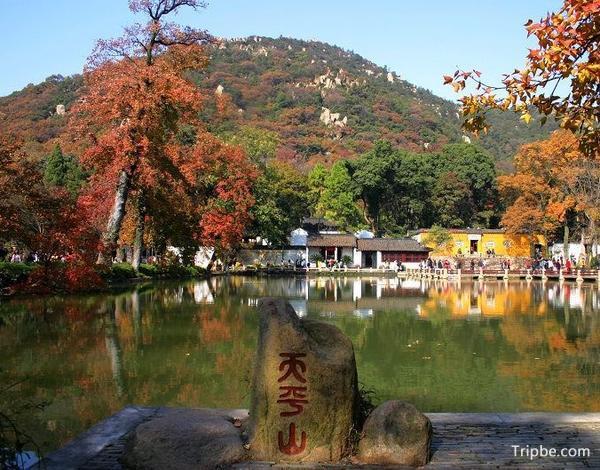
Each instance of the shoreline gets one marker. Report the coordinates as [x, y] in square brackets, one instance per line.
[123, 284]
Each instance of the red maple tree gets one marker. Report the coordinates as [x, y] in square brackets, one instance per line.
[137, 97]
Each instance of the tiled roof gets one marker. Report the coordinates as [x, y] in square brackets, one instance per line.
[319, 221]
[324, 240]
[391, 244]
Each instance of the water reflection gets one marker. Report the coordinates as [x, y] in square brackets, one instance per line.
[473, 346]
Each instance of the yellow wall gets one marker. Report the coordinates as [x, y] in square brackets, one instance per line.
[502, 243]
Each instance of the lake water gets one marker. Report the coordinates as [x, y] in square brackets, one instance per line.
[494, 346]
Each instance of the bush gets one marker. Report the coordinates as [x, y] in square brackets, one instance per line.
[150, 270]
[57, 276]
[179, 271]
[595, 262]
[120, 272]
[171, 271]
[14, 273]
[317, 258]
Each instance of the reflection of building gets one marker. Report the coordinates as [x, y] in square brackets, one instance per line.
[202, 293]
[481, 241]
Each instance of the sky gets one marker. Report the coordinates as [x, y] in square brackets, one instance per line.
[419, 40]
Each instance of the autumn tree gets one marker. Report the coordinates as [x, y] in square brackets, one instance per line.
[44, 220]
[136, 96]
[567, 51]
[218, 182]
[586, 188]
[540, 194]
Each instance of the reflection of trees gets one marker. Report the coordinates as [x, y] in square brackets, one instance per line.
[113, 347]
[161, 347]
[137, 320]
[443, 366]
[482, 363]
[558, 356]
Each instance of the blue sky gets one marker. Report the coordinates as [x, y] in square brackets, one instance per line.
[419, 40]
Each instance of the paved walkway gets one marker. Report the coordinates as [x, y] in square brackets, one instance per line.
[461, 440]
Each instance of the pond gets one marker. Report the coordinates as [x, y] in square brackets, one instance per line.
[494, 346]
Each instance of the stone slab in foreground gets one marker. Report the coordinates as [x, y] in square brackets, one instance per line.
[460, 440]
[95, 440]
[186, 439]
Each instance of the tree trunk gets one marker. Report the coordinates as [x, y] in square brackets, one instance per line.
[138, 241]
[120, 257]
[566, 242]
[211, 262]
[113, 227]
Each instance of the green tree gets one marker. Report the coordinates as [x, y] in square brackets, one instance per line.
[337, 201]
[451, 200]
[316, 186]
[409, 206]
[475, 167]
[260, 145]
[373, 175]
[282, 201]
[439, 239]
[63, 171]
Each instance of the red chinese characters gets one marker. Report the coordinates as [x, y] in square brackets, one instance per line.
[294, 366]
[293, 396]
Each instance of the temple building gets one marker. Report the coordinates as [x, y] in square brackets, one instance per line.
[361, 249]
[482, 242]
[376, 251]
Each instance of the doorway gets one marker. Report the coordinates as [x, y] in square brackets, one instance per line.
[368, 260]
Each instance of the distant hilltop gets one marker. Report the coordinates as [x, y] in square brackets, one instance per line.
[319, 102]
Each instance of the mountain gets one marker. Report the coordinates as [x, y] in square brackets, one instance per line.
[319, 102]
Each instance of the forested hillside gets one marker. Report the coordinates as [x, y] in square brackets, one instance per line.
[308, 101]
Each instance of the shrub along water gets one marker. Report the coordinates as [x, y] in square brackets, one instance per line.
[14, 273]
[28, 277]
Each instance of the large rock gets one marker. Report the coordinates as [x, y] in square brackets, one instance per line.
[304, 391]
[186, 439]
[396, 433]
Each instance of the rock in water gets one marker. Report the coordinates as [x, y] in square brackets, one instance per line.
[304, 391]
[396, 433]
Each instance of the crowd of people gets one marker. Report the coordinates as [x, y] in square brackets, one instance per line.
[14, 255]
[558, 263]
